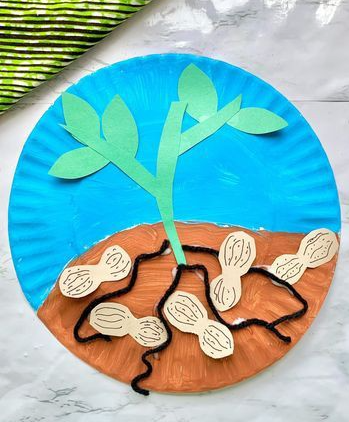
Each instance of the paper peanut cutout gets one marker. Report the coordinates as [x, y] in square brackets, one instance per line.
[114, 319]
[81, 280]
[317, 248]
[185, 312]
[236, 255]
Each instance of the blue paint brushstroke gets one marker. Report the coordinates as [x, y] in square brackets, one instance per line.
[280, 182]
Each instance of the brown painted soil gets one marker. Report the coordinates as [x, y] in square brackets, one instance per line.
[183, 367]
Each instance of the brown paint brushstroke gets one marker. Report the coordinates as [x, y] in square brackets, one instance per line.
[183, 367]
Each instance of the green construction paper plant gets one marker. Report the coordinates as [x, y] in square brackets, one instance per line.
[197, 96]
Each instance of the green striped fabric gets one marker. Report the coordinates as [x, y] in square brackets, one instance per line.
[39, 37]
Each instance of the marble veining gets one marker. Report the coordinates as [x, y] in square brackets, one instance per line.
[300, 47]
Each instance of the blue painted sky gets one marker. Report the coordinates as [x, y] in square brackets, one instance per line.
[281, 182]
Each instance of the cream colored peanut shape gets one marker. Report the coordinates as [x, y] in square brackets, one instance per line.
[236, 255]
[114, 319]
[315, 249]
[81, 280]
[185, 312]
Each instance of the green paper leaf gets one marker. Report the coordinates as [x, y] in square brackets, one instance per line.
[197, 89]
[81, 119]
[257, 121]
[119, 126]
[78, 163]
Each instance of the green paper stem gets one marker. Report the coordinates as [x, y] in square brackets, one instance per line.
[206, 128]
[166, 167]
[198, 95]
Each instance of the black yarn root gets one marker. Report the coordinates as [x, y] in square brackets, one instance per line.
[271, 326]
[120, 292]
[201, 249]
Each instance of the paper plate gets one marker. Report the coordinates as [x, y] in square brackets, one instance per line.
[279, 183]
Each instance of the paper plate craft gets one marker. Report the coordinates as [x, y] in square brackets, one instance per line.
[39, 38]
[174, 222]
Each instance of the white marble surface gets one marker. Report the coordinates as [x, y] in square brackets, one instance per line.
[300, 47]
